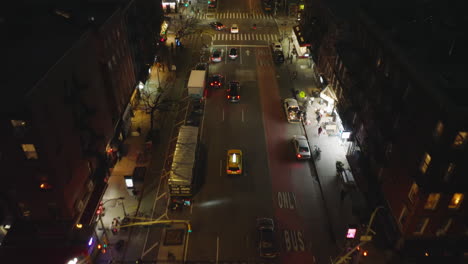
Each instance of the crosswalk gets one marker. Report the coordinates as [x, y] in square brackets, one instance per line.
[243, 37]
[234, 15]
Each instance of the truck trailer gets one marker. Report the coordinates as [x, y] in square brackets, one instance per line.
[196, 83]
[183, 167]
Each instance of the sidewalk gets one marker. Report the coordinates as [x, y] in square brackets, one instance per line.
[344, 204]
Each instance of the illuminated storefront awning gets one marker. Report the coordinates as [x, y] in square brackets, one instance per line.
[300, 44]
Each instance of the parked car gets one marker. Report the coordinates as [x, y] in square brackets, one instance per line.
[301, 147]
[278, 56]
[233, 53]
[292, 111]
[267, 245]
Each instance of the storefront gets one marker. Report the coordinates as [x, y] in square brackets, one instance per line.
[301, 47]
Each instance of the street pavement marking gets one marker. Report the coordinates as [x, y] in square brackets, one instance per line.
[287, 200]
[293, 240]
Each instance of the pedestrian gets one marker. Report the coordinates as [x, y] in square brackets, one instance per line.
[320, 130]
[119, 156]
[319, 117]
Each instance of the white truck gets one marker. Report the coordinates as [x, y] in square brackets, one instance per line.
[196, 83]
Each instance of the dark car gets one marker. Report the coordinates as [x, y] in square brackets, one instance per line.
[216, 81]
[233, 92]
[233, 53]
[217, 25]
[201, 66]
[278, 56]
[267, 244]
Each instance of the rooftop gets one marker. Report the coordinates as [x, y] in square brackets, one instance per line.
[38, 35]
[433, 37]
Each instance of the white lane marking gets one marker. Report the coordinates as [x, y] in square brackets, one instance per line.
[240, 54]
[217, 249]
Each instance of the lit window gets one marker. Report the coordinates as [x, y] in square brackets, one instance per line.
[421, 226]
[457, 199]
[425, 162]
[413, 192]
[432, 201]
[18, 123]
[439, 129]
[460, 139]
[29, 151]
[449, 172]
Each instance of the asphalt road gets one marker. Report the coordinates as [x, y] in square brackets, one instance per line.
[274, 184]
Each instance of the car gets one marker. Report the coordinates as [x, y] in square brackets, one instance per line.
[276, 46]
[301, 147]
[234, 161]
[217, 25]
[278, 56]
[267, 245]
[201, 66]
[233, 92]
[234, 29]
[216, 56]
[233, 53]
[212, 4]
[216, 81]
[292, 111]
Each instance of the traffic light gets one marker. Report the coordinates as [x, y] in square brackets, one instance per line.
[186, 4]
[209, 2]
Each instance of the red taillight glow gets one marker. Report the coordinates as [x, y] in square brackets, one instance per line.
[238, 97]
[228, 96]
[298, 155]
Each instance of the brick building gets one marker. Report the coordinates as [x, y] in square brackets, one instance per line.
[69, 77]
[398, 80]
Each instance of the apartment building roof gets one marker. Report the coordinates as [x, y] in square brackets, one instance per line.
[431, 35]
[37, 35]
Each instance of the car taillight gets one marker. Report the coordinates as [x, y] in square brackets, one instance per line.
[238, 97]
[211, 84]
[228, 96]
[299, 156]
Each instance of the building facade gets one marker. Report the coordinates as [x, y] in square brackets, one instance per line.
[398, 84]
[62, 120]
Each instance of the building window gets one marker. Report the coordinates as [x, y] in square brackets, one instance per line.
[445, 228]
[449, 172]
[432, 201]
[456, 201]
[425, 163]
[403, 216]
[19, 127]
[439, 129]
[413, 192]
[421, 226]
[460, 139]
[29, 151]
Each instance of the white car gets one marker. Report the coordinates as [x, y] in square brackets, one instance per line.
[234, 28]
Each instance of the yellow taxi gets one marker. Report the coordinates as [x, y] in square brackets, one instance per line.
[234, 161]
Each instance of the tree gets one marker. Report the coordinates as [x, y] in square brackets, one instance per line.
[154, 101]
